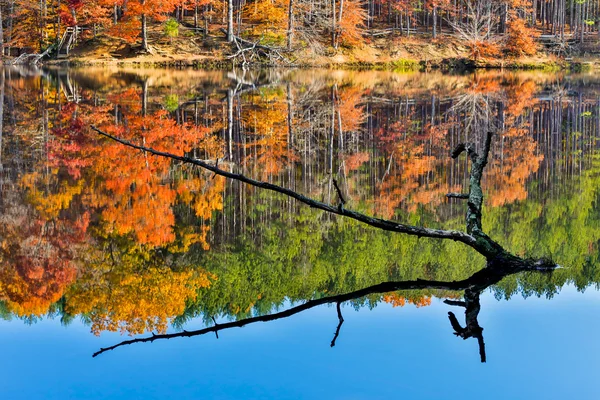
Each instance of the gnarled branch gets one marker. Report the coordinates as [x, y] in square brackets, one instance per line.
[339, 326]
[474, 285]
[380, 223]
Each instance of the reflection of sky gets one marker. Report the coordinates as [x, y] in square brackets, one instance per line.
[537, 349]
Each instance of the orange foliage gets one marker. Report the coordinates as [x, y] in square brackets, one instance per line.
[268, 147]
[131, 298]
[412, 161]
[397, 300]
[517, 158]
[36, 260]
[351, 23]
[352, 162]
[351, 113]
[521, 39]
[129, 27]
[479, 49]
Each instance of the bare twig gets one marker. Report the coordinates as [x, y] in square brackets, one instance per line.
[339, 192]
[216, 326]
[458, 195]
[340, 323]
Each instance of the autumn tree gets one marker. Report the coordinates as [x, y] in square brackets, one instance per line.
[521, 39]
[476, 25]
[350, 23]
[123, 289]
[137, 14]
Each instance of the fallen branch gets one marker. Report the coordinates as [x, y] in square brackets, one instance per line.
[476, 283]
[31, 59]
[384, 224]
[500, 263]
[244, 46]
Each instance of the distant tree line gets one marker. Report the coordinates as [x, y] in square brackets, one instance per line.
[486, 28]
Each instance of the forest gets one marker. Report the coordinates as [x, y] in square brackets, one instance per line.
[284, 31]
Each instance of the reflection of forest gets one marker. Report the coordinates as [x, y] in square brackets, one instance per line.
[122, 238]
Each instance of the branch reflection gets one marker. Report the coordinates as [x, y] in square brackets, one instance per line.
[472, 287]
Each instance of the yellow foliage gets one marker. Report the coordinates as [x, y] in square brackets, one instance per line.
[128, 297]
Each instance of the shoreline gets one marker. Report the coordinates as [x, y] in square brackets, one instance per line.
[406, 55]
[445, 64]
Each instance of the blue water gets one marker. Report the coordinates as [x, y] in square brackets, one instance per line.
[536, 349]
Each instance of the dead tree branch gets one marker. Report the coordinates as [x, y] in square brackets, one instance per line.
[500, 263]
[340, 323]
[463, 196]
[32, 59]
[256, 50]
[383, 224]
[475, 284]
[339, 192]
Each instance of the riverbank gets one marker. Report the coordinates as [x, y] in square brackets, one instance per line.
[403, 53]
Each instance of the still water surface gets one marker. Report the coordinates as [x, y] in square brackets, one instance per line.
[101, 243]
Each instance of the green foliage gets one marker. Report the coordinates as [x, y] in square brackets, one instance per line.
[404, 64]
[171, 28]
[171, 102]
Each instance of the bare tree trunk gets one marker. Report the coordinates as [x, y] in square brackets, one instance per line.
[145, 98]
[205, 17]
[144, 33]
[290, 32]
[434, 22]
[1, 45]
[229, 122]
[333, 25]
[230, 21]
[10, 24]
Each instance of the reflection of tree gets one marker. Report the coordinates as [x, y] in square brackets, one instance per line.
[499, 261]
[137, 196]
[472, 286]
[384, 140]
[490, 104]
[131, 290]
[412, 160]
[36, 258]
[475, 107]
[517, 157]
[268, 147]
[49, 242]
[472, 328]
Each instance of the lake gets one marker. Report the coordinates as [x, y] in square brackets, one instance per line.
[232, 291]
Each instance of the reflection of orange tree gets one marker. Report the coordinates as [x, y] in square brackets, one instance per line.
[44, 242]
[350, 111]
[40, 237]
[266, 117]
[412, 163]
[517, 158]
[509, 171]
[136, 283]
[138, 193]
[127, 290]
[397, 300]
[37, 257]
